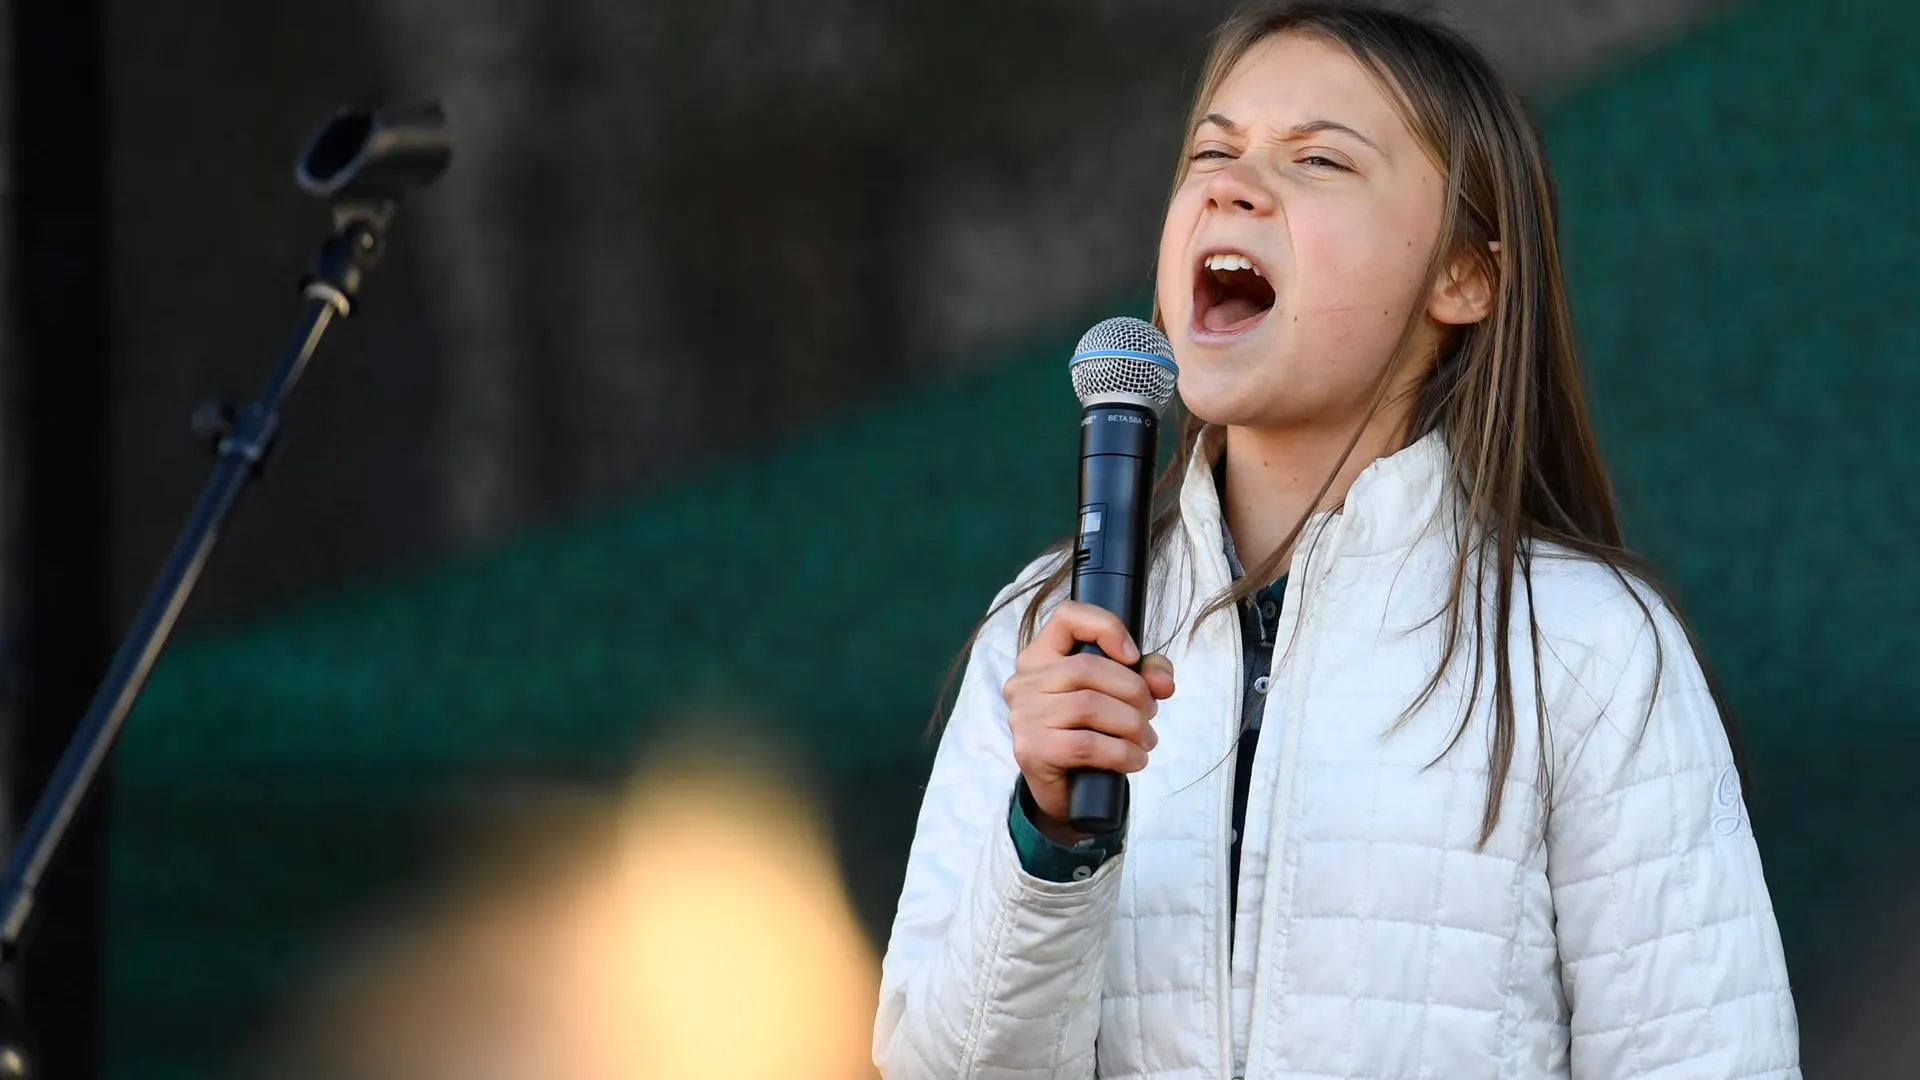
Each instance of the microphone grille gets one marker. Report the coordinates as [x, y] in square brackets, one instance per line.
[1124, 360]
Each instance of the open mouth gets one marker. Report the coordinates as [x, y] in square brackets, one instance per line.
[1230, 294]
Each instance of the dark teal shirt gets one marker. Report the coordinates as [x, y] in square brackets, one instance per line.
[1048, 859]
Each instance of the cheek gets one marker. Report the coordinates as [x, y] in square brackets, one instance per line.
[1366, 272]
[1172, 275]
[1354, 304]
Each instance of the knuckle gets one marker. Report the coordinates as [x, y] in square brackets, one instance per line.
[1085, 668]
[1084, 616]
[1026, 754]
[1083, 748]
[1086, 705]
[1066, 615]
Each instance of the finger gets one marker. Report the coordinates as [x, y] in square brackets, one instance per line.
[1156, 671]
[1089, 672]
[1094, 711]
[1074, 622]
[1084, 749]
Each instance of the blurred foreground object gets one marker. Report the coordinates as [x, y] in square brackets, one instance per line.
[696, 930]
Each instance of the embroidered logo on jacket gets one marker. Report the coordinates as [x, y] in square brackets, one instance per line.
[1730, 811]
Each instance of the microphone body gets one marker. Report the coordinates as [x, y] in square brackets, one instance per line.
[1124, 374]
[1118, 449]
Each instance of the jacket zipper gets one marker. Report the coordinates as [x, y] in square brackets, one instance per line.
[1279, 814]
[1225, 936]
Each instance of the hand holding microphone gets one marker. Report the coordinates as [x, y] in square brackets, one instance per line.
[1073, 710]
[1080, 718]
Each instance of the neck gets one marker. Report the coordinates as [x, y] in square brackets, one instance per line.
[1273, 477]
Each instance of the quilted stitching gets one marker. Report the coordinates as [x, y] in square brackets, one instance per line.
[1613, 926]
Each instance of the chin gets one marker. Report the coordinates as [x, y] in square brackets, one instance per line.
[1227, 387]
[1212, 407]
[1267, 403]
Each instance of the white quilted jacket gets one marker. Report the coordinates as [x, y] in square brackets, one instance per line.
[1616, 925]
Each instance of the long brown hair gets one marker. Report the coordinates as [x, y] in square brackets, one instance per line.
[1505, 393]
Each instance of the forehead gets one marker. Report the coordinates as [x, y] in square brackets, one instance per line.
[1289, 78]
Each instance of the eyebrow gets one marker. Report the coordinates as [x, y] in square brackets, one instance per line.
[1308, 127]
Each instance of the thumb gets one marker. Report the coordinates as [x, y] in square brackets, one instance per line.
[1158, 671]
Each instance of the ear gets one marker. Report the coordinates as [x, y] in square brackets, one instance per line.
[1464, 293]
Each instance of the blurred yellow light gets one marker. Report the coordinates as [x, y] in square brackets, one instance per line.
[697, 931]
[718, 945]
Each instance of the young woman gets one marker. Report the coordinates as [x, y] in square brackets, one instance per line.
[1443, 790]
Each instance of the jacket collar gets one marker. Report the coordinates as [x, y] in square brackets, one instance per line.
[1392, 504]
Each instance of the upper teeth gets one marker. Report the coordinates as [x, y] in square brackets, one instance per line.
[1232, 262]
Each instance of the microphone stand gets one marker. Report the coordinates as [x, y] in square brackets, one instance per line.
[364, 163]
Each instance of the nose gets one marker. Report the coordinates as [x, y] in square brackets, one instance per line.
[1238, 187]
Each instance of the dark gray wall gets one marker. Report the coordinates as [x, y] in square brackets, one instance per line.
[672, 230]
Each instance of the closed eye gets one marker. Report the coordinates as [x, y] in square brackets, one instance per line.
[1210, 154]
[1320, 162]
